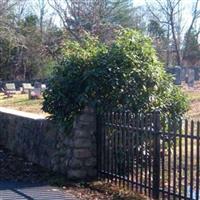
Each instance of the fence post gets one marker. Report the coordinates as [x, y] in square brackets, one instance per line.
[156, 155]
[98, 141]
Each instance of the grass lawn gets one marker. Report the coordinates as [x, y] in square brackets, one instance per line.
[22, 103]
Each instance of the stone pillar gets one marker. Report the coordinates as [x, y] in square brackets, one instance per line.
[82, 162]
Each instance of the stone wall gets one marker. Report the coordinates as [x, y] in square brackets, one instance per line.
[45, 143]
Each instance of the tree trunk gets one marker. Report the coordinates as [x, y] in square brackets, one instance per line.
[176, 45]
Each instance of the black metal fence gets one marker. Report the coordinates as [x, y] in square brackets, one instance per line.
[159, 158]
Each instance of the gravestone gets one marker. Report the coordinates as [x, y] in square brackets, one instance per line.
[176, 72]
[186, 74]
[36, 92]
[37, 84]
[43, 87]
[26, 87]
[183, 73]
[196, 73]
[191, 77]
[1, 86]
[177, 75]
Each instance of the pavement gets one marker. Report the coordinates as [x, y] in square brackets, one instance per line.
[10, 190]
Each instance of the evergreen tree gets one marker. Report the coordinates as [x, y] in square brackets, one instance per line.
[191, 50]
[160, 41]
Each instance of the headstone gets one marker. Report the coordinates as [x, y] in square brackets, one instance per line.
[37, 84]
[183, 73]
[37, 92]
[196, 73]
[191, 77]
[26, 87]
[176, 72]
[34, 93]
[177, 75]
[1, 86]
[43, 87]
[10, 87]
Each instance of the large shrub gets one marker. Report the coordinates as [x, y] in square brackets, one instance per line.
[124, 75]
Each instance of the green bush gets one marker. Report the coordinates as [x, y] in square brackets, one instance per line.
[123, 75]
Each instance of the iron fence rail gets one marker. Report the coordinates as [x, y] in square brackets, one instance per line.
[157, 157]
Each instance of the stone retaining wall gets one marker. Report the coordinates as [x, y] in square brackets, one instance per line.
[46, 144]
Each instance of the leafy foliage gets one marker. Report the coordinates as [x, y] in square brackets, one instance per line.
[124, 75]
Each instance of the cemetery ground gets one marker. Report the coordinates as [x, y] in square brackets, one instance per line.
[194, 101]
[22, 103]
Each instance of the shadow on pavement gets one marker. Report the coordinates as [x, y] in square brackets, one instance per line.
[25, 191]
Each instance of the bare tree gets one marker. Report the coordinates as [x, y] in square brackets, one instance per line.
[195, 17]
[5, 6]
[40, 9]
[169, 13]
[21, 8]
[8, 18]
[94, 16]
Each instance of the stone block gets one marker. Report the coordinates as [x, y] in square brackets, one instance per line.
[91, 162]
[66, 142]
[80, 133]
[76, 174]
[82, 143]
[92, 173]
[76, 163]
[88, 109]
[87, 118]
[82, 153]
[68, 153]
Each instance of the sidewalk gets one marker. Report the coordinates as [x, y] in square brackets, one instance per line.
[24, 191]
[22, 180]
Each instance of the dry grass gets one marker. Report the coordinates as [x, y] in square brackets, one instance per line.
[22, 103]
[102, 191]
[116, 192]
[194, 109]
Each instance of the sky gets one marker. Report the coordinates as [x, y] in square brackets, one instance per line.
[186, 3]
[139, 2]
[142, 2]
